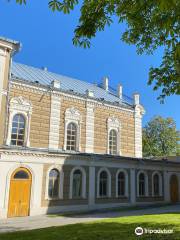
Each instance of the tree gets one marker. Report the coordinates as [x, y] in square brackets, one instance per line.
[160, 137]
[150, 24]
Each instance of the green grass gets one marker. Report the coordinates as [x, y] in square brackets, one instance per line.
[109, 229]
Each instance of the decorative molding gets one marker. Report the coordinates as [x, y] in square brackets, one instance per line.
[72, 114]
[20, 105]
[113, 123]
[72, 97]
[54, 122]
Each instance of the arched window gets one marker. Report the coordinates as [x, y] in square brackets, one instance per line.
[156, 184]
[77, 184]
[21, 174]
[18, 130]
[103, 184]
[142, 184]
[113, 142]
[53, 188]
[71, 137]
[121, 184]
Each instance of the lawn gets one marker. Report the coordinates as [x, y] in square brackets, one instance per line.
[110, 229]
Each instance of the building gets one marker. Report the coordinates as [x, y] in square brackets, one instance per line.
[70, 145]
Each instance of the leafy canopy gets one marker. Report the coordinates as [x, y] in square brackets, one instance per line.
[150, 24]
[160, 137]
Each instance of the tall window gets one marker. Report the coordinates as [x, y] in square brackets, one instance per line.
[71, 137]
[121, 184]
[103, 184]
[156, 184]
[77, 184]
[18, 130]
[53, 190]
[142, 184]
[112, 142]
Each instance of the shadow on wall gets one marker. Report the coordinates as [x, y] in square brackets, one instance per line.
[64, 198]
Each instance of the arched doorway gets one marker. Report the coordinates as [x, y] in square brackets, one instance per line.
[174, 189]
[20, 192]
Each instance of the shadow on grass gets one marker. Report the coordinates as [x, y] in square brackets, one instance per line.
[112, 229]
[109, 210]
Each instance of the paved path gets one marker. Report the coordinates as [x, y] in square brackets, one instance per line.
[43, 221]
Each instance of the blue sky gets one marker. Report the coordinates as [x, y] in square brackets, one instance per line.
[46, 39]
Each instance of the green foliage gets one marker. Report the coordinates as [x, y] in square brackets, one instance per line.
[160, 137]
[150, 24]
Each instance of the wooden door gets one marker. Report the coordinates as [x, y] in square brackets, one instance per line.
[174, 189]
[19, 195]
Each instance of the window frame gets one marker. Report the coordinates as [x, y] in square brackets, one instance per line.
[126, 194]
[113, 123]
[58, 183]
[17, 129]
[61, 182]
[160, 184]
[116, 145]
[83, 185]
[72, 115]
[76, 137]
[146, 184]
[108, 183]
[19, 105]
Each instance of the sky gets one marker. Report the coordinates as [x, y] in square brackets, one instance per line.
[46, 39]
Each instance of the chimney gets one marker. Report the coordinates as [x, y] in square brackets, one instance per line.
[105, 83]
[56, 84]
[90, 93]
[45, 69]
[136, 98]
[119, 91]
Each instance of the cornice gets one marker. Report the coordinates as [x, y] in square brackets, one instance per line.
[19, 84]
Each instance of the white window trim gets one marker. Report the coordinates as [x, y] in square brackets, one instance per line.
[61, 180]
[109, 182]
[146, 184]
[83, 182]
[72, 115]
[114, 124]
[19, 105]
[160, 184]
[126, 183]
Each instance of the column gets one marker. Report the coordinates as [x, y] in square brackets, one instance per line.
[89, 128]
[54, 121]
[166, 186]
[91, 200]
[133, 182]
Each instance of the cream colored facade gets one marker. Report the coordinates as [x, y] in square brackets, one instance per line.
[48, 110]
